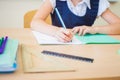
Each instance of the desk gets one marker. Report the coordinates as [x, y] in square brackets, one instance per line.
[106, 64]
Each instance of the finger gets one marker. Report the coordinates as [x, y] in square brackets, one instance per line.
[81, 32]
[85, 31]
[60, 36]
[66, 32]
[75, 30]
[65, 37]
[71, 35]
[88, 30]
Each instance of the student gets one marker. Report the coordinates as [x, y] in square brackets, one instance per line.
[78, 16]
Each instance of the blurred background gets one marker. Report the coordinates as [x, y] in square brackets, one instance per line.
[12, 11]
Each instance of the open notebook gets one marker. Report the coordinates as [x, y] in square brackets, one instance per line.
[87, 39]
[46, 39]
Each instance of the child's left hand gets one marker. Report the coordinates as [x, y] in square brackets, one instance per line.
[82, 30]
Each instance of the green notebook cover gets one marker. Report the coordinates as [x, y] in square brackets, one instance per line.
[97, 39]
[7, 58]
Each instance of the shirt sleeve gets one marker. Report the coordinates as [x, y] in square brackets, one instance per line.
[53, 3]
[103, 5]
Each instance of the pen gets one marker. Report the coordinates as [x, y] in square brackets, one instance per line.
[63, 25]
[2, 47]
[59, 16]
[1, 41]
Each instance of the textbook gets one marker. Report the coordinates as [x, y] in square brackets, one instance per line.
[8, 57]
[86, 39]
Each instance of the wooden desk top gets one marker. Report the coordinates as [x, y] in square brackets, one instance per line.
[105, 67]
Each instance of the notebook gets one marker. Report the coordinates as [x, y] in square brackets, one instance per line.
[87, 39]
[46, 39]
[34, 61]
[8, 69]
[8, 57]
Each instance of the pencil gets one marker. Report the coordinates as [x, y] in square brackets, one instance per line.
[63, 25]
[61, 20]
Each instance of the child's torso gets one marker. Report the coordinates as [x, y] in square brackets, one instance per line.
[70, 19]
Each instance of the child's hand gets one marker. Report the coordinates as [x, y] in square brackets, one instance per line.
[64, 35]
[82, 30]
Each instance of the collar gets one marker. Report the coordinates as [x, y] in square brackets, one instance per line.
[87, 2]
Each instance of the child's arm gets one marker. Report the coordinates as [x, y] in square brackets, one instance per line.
[112, 28]
[114, 23]
[38, 23]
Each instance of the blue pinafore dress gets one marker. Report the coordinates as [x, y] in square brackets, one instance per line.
[70, 19]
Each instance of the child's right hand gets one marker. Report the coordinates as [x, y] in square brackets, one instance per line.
[64, 35]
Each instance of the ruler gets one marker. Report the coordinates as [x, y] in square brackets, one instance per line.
[68, 56]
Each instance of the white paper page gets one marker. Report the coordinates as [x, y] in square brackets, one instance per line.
[46, 39]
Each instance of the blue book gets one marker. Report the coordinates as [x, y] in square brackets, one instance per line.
[8, 69]
[8, 57]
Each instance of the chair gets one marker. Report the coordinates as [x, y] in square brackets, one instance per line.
[28, 18]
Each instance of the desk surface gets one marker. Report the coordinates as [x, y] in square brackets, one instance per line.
[106, 59]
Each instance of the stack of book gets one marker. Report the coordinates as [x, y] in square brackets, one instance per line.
[8, 51]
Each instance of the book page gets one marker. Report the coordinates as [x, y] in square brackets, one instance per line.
[46, 39]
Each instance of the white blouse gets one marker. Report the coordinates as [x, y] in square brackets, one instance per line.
[80, 8]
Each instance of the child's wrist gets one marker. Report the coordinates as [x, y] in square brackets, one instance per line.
[56, 29]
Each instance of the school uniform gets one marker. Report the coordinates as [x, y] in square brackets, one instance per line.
[84, 13]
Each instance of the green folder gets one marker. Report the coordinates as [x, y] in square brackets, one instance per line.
[97, 39]
[7, 58]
